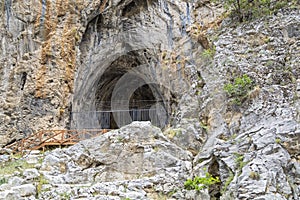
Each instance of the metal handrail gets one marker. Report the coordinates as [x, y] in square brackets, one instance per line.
[53, 137]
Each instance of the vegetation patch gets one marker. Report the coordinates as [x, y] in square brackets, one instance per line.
[173, 132]
[65, 196]
[42, 181]
[239, 160]
[239, 89]
[209, 53]
[199, 183]
[278, 140]
[204, 126]
[245, 10]
[3, 181]
[13, 166]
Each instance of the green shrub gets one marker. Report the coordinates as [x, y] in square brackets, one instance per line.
[240, 164]
[239, 89]
[245, 10]
[209, 53]
[199, 183]
[3, 181]
[278, 140]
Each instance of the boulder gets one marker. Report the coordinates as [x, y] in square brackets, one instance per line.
[25, 190]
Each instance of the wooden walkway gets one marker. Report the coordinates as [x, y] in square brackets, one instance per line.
[45, 138]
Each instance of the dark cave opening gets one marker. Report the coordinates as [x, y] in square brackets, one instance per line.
[23, 80]
[123, 95]
[215, 189]
[135, 7]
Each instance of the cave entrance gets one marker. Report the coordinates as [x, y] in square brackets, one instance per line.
[121, 91]
[125, 94]
[142, 106]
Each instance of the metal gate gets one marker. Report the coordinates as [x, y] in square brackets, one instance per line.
[114, 119]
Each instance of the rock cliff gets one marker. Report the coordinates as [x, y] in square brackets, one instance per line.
[226, 96]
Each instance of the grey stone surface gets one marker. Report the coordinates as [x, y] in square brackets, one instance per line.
[30, 174]
[25, 190]
[10, 195]
[134, 162]
[137, 150]
[16, 181]
[52, 58]
[258, 152]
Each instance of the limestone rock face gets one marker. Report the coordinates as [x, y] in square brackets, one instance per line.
[61, 61]
[39, 52]
[64, 60]
[254, 144]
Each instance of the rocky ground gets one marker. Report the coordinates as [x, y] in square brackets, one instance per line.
[135, 162]
[140, 162]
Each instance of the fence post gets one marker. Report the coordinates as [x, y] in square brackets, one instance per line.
[40, 135]
[22, 145]
[62, 136]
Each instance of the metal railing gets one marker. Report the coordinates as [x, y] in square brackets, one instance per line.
[53, 138]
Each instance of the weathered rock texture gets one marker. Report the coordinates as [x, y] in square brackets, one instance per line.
[63, 57]
[255, 145]
[39, 57]
[137, 161]
[137, 157]
[59, 57]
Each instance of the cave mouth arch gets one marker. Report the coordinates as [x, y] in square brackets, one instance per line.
[112, 47]
[127, 90]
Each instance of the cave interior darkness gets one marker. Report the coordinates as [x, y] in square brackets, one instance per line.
[142, 105]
